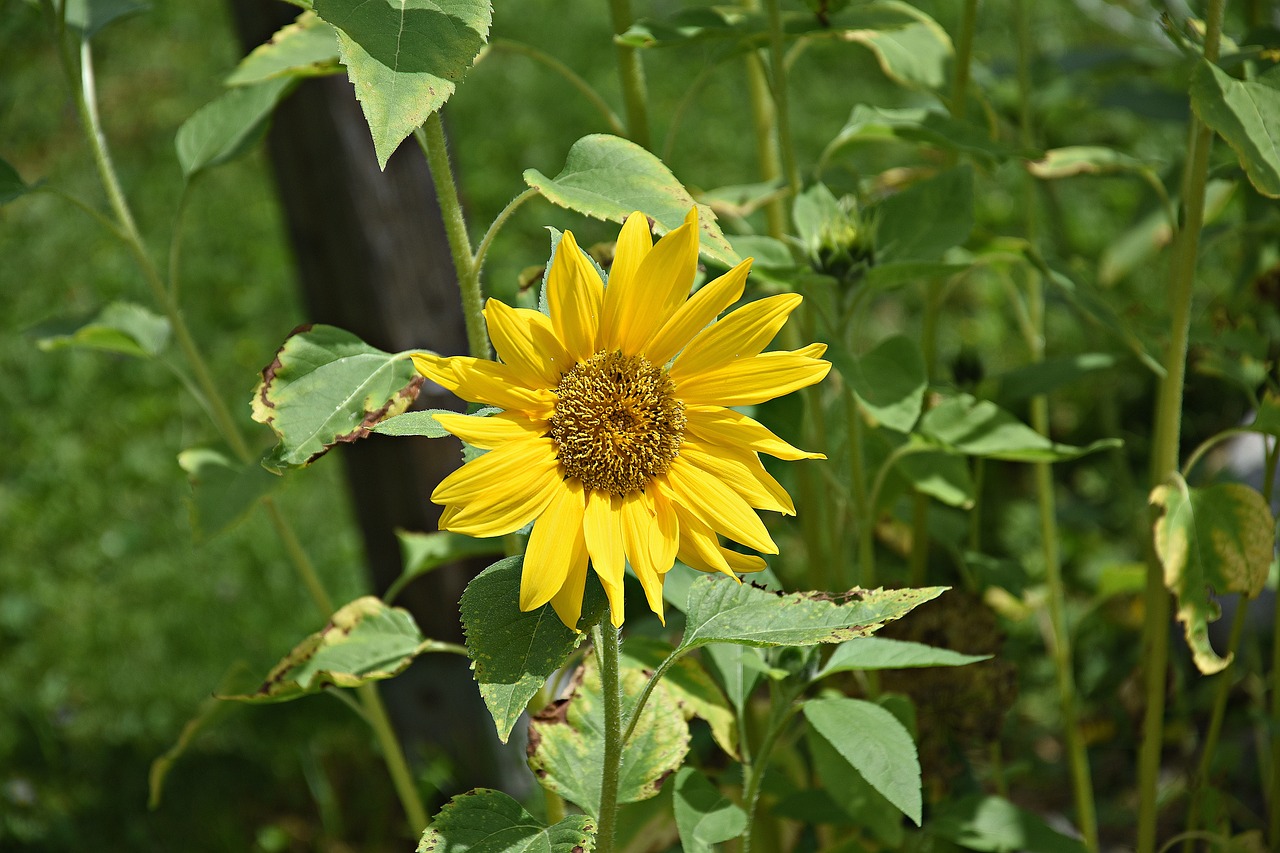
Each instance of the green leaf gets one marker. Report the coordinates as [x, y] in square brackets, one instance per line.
[566, 742]
[90, 16]
[488, 821]
[942, 476]
[1084, 160]
[223, 490]
[847, 797]
[721, 610]
[11, 184]
[414, 423]
[515, 652]
[704, 816]
[911, 47]
[1247, 116]
[405, 57]
[364, 641]
[690, 685]
[121, 327]
[227, 126]
[866, 653]
[889, 381]
[1267, 418]
[963, 424]
[922, 221]
[888, 276]
[991, 824]
[326, 386]
[306, 48]
[737, 668]
[606, 177]
[421, 553]
[877, 124]
[1220, 536]
[875, 744]
[1045, 377]
[210, 713]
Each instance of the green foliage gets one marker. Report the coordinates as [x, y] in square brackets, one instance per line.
[973, 427]
[91, 16]
[487, 821]
[704, 816]
[1247, 115]
[995, 825]
[11, 184]
[864, 653]
[689, 685]
[422, 553]
[888, 380]
[121, 327]
[226, 127]
[306, 48]
[223, 490]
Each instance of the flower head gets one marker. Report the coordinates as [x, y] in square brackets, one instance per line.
[616, 437]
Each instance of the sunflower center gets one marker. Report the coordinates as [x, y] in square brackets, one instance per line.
[617, 422]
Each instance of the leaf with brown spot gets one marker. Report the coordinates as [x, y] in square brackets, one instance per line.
[487, 821]
[327, 386]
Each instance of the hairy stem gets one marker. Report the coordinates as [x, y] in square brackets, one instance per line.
[606, 640]
[635, 96]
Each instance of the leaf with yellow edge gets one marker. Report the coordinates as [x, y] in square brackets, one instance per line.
[1220, 536]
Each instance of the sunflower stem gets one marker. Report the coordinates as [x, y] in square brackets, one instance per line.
[765, 132]
[631, 72]
[434, 146]
[964, 57]
[1164, 456]
[778, 70]
[607, 642]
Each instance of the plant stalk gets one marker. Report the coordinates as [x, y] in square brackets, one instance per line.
[781, 100]
[606, 639]
[964, 57]
[1164, 457]
[635, 96]
[765, 132]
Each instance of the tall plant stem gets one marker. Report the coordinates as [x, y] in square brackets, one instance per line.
[635, 97]
[864, 523]
[964, 57]
[779, 714]
[434, 146]
[607, 642]
[1060, 635]
[764, 130]
[781, 98]
[1164, 456]
[86, 105]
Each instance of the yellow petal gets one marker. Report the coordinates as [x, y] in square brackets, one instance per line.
[699, 548]
[567, 603]
[749, 480]
[742, 334]
[525, 340]
[665, 534]
[634, 243]
[718, 506]
[556, 547]
[743, 562]
[494, 431]
[574, 293]
[699, 310]
[501, 491]
[749, 381]
[639, 521]
[602, 527]
[659, 287]
[481, 381]
[717, 426]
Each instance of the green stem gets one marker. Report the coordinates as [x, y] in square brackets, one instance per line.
[1164, 457]
[93, 214]
[778, 70]
[634, 717]
[175, 242]
[432, 141]
[919, 562]
[477, 261]
[631, 72]
[572, 77]
[778, 716]
[394, 758]
[864, 521]
[765, 132]
[298, 556]
[606, 639]
[964, 56]
[1207, 445]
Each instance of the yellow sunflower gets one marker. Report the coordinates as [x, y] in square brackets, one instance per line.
[616, 433]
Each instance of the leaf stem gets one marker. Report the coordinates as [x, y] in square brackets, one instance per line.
[1164, 457]
[572, 77]
[634, 716]
[635, 97]
[779, 714]
[778, 70]
[394, 758]
[431, 139]
[964, 57]
[477, 260]
[764, 131]
[606, 640]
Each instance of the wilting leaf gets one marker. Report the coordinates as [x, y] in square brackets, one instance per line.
[1247, 115]
[487, 821]
[327, 386]
[306, 48]
[911, 47]
[1083, 160]
[1220, 536]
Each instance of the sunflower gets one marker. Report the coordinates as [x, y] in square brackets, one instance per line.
[616, 433]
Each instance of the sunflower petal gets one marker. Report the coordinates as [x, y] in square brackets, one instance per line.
[718, 506]
[699, 548]
[601, 526]
[494, 431]
[501, 491]
[567, 603]
[752, 482]
[482, 381]
[526, 342]
[657, 290]
[638, 522]
[574, 293]
[749, 381]
[742, 334]
[720, 427]
[664, 539]
[697, 312]
[556, 546]
[634, 243]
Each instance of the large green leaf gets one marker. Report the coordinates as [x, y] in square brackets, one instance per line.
[1247, 116]
[865, 653]
[405, 57]
[566, 742]
[690, 685]
[223, 490]
[942, 476]
[1267, 418]
[963, 424]
[1220, 536]
[327, 386]
[991, 824]
[224, 128]
[606, 177]
[889, 380]
[704, 816]
[846, 797]
[488, 821]
[514, 652]
[721, 610]
[121, 327]
[872, 740]
[306, 48]
[922, 221]
[364, 641]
